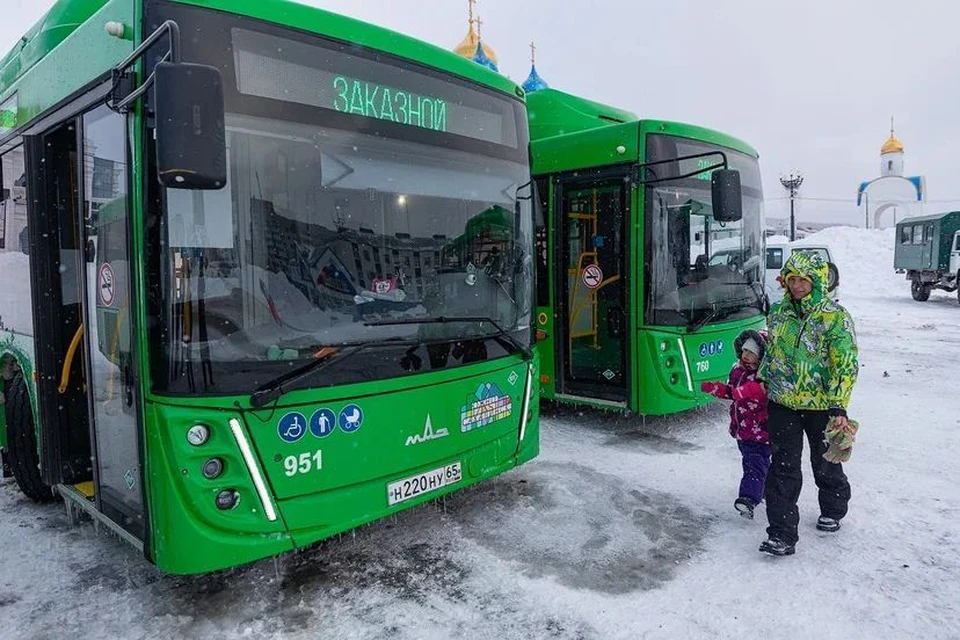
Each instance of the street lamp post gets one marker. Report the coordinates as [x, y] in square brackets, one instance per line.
[792, 184]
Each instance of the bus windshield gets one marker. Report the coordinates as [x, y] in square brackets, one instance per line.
[359, 192]
[699, 270]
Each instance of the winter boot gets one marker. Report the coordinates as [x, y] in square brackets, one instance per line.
[745, 507]
[828, 524]
[777, 547]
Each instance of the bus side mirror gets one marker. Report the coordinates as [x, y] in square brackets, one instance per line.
[191, 136]
[727, 199]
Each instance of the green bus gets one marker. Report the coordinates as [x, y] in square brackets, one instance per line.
[245, 310]
[648, 263]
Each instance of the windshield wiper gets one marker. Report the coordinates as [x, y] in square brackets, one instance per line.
[280, 385]
[501, 332]
[694, 326]
[714, 314]
[763, 300]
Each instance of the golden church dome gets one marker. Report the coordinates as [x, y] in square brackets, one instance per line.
[892, 145]
[468, 46]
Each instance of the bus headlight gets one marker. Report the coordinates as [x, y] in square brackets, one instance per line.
[227, 499]
[198, 434]
[212, 468]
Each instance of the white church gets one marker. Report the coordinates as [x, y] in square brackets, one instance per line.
[891, 196]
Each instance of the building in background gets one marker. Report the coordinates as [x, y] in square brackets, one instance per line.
[891, 195]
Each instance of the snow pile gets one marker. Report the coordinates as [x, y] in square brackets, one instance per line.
[864, 258]
[15, 307]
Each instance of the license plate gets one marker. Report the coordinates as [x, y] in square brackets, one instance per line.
[423, 483]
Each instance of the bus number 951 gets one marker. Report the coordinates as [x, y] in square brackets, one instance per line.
[304, 463]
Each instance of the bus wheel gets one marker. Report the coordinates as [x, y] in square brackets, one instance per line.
[919, 291]
[22, 442]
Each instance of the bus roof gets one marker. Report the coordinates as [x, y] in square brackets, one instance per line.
[569, 133]
[59, 22]
[67, 16]
[553, 113]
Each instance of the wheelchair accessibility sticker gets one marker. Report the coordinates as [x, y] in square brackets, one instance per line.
[292, 427]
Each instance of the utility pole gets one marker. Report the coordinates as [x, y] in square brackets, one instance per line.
[866, 210]
[792, 184]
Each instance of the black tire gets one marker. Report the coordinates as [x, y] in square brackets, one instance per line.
[22, 442]
[920, 291]
[833, 277]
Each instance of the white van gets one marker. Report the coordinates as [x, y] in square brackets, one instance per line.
[778, 251]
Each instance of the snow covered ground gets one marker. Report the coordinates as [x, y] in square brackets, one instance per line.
[622, 528]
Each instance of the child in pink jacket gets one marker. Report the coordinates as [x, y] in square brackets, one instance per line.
[748, 417]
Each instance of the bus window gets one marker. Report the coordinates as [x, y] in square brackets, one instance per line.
[542, 243]
[14, 255]
[683, 238]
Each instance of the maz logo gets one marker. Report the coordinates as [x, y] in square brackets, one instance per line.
[428, 434]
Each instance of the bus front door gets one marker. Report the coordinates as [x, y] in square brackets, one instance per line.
[86, 393]
[592, 329]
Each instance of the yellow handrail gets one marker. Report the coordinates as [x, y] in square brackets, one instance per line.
[68, 361]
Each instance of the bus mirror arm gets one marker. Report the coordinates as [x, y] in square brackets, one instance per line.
[642, 168]
[188, 110]
[119, 73]
[724, 182]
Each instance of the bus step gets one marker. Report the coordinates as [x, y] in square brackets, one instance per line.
[86, 488]
[594, 402]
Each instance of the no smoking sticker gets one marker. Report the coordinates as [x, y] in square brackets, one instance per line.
[106, 285]
[592, 276]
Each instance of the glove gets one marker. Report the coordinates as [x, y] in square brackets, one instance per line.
[716, 389]
[839, 440]
[748, 391]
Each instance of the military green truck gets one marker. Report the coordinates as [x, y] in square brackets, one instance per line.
[928, 251]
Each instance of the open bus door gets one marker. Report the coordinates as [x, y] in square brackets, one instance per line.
[592, 334]
[86, 394]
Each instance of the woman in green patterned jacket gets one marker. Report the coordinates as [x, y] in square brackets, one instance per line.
[809, 371]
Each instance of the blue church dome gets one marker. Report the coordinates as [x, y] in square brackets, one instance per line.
[480, 57]
[534, 82]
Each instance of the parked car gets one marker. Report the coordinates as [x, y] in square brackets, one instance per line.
[777, 254]
[928, 252]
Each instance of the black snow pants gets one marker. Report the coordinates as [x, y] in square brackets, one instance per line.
[785, 478]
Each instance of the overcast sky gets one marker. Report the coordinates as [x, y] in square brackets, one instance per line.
[810, 84]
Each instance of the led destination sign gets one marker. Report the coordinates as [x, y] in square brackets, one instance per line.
[352, 95]
[324, 76]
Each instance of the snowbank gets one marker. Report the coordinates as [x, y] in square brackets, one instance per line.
[864, 258]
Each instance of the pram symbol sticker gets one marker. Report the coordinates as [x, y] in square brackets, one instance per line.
[351, 418]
